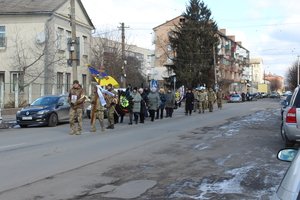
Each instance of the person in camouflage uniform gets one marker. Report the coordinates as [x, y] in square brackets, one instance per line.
[202, 96]
[111, 102]
[219, 98]
[211, 95]
[76, 100]
[97, 111]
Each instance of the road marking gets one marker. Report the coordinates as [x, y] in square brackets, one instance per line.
[12, 146]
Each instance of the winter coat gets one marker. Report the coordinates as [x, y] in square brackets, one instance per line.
[144, 102]
[162, 98]
[153, 101]
[211, 95]
[170, 100]
[136, 98]
[189, 100]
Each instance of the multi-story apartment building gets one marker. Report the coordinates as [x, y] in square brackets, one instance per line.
[231, 61]
[35, 47]
[257, 73]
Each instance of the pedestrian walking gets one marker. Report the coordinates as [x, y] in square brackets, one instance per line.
[211, 95]
[136, 99]
[170, 103]
[76, 99]
[111, 101]
[143, 111]
[219, 95]
[202, 96]
[189, 102]
[160, 110]
[153, 102]
[97, 111]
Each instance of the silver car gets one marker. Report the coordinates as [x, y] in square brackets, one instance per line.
[289, 188]
[235, 98]
[290, 127]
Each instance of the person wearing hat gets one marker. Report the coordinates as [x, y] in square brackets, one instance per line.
[202, 96]
[97, 110]
[162, 105]
[76, 99]
[111, 101]
[136, 99]
[211, 95]
[189, 101]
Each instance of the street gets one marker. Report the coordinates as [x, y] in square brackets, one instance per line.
[227, 154]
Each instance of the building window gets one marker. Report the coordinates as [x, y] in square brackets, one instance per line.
[14, 77]
[84, 81]
[60, 78]
[68, 81]
[85, 46]
[60, 39]
[2, 80]
[2, 37]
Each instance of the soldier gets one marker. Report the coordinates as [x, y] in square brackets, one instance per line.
[219, 98]
[111, 102]
[76, 100]
[97, 111]
[202, 96]
[211, 99]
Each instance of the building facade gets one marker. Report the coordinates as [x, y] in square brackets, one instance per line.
[231, 61]
[36, 47]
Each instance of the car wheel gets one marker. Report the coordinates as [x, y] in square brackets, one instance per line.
[53, 120]
[23, 126]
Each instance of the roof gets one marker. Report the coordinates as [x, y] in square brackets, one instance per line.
[20, 7]
[29, 6]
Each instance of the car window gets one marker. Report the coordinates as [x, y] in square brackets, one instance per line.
[63, 100]
[45, 101]
[295, 101]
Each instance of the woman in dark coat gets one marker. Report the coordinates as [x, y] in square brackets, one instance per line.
[189, 102]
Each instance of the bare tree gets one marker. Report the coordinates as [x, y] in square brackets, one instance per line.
[107, 51]
[292, 76]
[275, 85]
[31, 58]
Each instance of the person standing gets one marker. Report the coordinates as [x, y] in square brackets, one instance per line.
[219, 95]
[76, 99]
[153, 102]
[189, 102]
[111, 101]
[97, 111]
[202, 96]
[143, 110]
[170, 103]
[211, 95]
[160, 110]
[136, 99]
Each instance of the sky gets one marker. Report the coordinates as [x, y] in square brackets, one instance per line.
[269, 29]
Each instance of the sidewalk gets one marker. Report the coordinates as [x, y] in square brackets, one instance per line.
[8, 118]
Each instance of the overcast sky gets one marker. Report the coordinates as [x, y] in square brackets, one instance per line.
[269, 29]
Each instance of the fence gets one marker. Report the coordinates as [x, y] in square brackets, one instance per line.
[13, 96]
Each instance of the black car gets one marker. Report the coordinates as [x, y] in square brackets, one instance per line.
[47, 110]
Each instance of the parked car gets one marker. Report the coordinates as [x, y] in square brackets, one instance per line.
[252, 97]
[285, 103]
[235, 98]
[47, 110]
[263, 95]
[290, 127]
[289, 187]
[274, 95]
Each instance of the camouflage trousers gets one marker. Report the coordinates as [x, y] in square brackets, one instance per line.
[75, 115]
[202, 106]
[100, 116]
[110, 115]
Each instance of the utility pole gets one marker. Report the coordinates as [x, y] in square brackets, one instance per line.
[73, 44]
[124, 62]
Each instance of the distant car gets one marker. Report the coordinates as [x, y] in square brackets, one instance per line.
[251, 97]
[263, 95]
[235, 98]
[46, 110]
[290, 127]
[289, 187]
[274, 95]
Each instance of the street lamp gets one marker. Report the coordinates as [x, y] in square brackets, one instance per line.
[298, 72]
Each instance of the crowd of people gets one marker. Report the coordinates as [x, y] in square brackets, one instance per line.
[137, 103]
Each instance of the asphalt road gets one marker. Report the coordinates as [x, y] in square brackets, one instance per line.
[46, 163]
